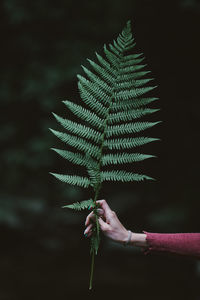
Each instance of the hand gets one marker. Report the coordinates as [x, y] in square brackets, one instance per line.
[108, 221]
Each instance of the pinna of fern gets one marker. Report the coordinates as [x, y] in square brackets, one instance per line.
[109, 122]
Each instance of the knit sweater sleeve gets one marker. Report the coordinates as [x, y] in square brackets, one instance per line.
[176, 243]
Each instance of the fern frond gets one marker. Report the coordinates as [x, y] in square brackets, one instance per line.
[95, 80]
[85, 114]
[114, 50]
[124, 158]
[132, 62]
[125, 41]
[112, 58]
[108, 67]
[119, 48]
[103, 72]
[132, 76]
[130, 115]
[129, 128]
[130, 69]
[133, 83]
[73, 179]
[94, 175]
[120, 42]
[123, 176]
[127, 48]
[78, 129]
[90, 100]
[130, 58]
[113, 99]
[80, 205]
[130, 104]
[128, 143]
[100, 93]
[134, 93]
[78, 143]
[76, 158]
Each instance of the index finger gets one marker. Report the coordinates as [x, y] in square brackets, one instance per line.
[104, 205]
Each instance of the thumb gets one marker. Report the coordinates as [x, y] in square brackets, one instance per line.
[103, 225]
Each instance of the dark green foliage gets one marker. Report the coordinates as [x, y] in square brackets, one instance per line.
[113, 99]
[80, 205]
[113, 104]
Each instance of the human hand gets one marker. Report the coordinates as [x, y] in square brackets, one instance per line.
[109, 223]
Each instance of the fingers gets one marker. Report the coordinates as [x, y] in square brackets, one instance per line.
[88, 230]
[104, 205]
[91, 217]
[107, 211]
[103, 225]
[105, 214]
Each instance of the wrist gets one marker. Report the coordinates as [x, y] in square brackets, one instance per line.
[128, 238]
[138, 240]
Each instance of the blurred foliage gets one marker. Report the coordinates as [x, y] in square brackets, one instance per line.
[43, 45]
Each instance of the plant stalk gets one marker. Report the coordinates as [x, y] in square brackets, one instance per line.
[97, 189]
[92, 270]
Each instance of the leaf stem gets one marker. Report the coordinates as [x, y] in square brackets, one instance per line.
[97, 189]
[92, 270]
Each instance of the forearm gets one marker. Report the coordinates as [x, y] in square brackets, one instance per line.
[174, 243]
[178, 243]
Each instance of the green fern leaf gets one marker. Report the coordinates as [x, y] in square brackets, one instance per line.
[90, 100]
[80, 205]
[131, 57]
[103, 72]
[132, 76]
[114, 97]
[100, 93]
[130, 94]
[123, 158]
[128, 143]
[133, 83]
[116, 51]
[130, 69]
[118, 47]
[129, 128]
[72, 179]
[77, 142]
[85, 114]
[106, 65]
[130, 115]
[135, 103]
[127, 63]
[94, 78]
[120, 175]
[112, 58]
[78, 129]
[75, 158]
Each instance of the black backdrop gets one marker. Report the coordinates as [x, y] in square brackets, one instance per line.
[43, 253]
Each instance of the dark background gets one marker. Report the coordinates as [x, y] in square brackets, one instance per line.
[43, 253]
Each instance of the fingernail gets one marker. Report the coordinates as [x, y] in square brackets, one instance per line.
[85, 234]
[88, 207]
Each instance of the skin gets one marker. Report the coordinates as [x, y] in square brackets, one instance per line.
[112, 227]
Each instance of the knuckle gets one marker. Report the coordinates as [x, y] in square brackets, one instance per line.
[113, 213]
[107, 229]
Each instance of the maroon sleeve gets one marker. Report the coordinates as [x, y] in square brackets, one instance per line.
[176, 243]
